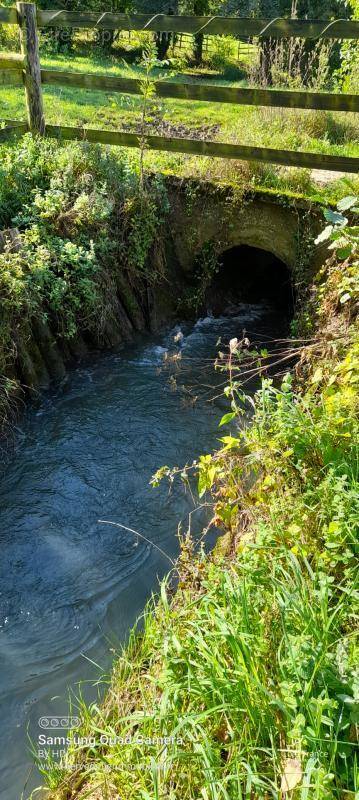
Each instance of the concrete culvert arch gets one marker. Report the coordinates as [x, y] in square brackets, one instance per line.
[250, 275]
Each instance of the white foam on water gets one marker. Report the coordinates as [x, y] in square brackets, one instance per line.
[151, 356]
[243, 313]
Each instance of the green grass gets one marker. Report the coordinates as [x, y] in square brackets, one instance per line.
[321, 132]
[244, 684]
[251, 667]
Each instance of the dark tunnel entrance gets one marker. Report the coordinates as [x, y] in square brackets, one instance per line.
[250, 275]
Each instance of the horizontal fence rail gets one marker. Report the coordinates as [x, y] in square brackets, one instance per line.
[204, 93]
[12, 127]
[11, 77]
[11, 61]
[190, 147]
[274, 28]
[204, 148]
[281, 98]
[25, 69]
[8, 16]
[237, 26]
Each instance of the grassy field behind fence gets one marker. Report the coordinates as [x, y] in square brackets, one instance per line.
[227, 64]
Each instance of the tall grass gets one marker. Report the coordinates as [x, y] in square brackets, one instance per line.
[245, 683]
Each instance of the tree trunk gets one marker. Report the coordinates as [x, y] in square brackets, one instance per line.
[200, 8]
[163, 41]
[163, 38]
[198, 49]
[266, 62]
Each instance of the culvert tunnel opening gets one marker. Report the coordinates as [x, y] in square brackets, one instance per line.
[249, 275]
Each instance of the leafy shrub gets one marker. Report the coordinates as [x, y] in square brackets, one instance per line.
[344, 242]
[82, 213]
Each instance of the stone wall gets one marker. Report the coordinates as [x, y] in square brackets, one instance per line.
[202, 213]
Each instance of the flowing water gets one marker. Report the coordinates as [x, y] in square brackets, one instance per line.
[70, 587]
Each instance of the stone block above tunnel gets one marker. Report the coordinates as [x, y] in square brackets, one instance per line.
[211, 214]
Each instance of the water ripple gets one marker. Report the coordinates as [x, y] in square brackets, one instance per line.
[69, 586]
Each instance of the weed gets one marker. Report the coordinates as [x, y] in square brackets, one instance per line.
[245, 683]
[78, 211]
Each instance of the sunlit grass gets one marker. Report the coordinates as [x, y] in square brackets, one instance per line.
[322, 132]
[251, 668]
[243, 684]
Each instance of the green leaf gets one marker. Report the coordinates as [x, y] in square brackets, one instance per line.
[333, 526]
[318, 375]
[230, 442]
[334, 217]
[347, 202]
[344, 252]
[177, 644]
[206, 478]
[324, 235]
[227, 418]
[287, 453]
[202, 484]
[345, 297]
[294, 529]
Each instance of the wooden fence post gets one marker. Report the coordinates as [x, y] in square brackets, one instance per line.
[30, 48]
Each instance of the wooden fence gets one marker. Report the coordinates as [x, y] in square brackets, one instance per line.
[25, 69]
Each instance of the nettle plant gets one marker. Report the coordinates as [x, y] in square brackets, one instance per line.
[343, 239]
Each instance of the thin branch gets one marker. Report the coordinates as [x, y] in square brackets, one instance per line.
[125, 528]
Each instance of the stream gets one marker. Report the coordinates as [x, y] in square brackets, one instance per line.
[70, 587]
